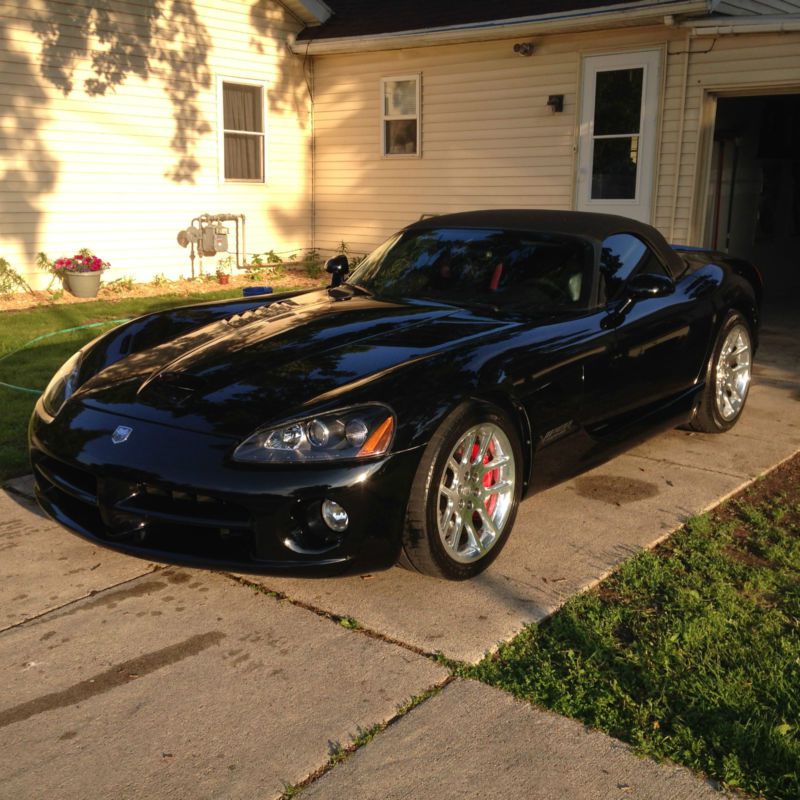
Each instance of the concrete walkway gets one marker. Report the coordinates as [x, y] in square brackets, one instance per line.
[120, 679]
[473, 741]
[571, 536]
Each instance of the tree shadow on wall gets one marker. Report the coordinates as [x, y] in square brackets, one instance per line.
[289, 94]
[27, 169]
[160, 38]
[291, 85]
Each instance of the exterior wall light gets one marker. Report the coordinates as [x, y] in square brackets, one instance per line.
[556, 102]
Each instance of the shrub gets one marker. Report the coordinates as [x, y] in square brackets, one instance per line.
[312, 264]
[10, 280]
[120, 285]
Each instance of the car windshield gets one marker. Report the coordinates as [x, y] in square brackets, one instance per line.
[511, 270]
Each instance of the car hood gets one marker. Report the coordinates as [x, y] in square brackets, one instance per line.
[237, 374]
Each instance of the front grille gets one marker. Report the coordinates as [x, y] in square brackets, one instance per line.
[171, 504]
[78, 483]
[144, 514]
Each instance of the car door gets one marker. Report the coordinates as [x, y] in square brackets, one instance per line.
[552, 353]
[659, 342]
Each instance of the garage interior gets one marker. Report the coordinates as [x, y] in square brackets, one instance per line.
[753, 207]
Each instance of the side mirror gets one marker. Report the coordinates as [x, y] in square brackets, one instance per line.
[339, 267]
[640, 287]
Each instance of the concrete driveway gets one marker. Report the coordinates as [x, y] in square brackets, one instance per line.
[119, 678]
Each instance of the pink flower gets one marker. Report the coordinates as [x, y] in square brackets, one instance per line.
[79, 263]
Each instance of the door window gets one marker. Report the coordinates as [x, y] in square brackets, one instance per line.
[622, 256]
[615, 139]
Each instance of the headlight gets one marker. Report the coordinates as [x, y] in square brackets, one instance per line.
[62, 385]
[351, 433]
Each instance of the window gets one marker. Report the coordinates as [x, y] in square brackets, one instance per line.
[622, 256]
[513, 270]
[400, 116]
[242, 142]
[617, 119]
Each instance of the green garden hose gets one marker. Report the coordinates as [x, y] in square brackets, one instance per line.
[37, 392]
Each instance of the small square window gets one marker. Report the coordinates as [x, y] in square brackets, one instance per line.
[243, 131]
[400, 116]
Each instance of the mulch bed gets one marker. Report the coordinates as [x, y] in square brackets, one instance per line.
[295, 277]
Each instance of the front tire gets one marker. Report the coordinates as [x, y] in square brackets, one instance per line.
[727, 377]
[465, 494]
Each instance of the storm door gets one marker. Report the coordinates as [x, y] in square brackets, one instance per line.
[617, 146]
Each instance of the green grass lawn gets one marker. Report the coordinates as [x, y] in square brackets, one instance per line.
[33, 366]
[691, 652]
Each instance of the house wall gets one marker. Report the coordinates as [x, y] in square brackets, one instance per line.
[488, 138]
[730, 65]
[108, 139]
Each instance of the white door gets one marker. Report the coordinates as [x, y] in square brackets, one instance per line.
[617, 145]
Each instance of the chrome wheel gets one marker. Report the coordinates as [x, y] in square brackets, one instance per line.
[733, 372]
[476, 493]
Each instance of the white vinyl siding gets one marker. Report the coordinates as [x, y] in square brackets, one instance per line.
[741, 64]
[490, 139]
[113, 172]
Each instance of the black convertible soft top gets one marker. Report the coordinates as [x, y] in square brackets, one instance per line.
[596, 227]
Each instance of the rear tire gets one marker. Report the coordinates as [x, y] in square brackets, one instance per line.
[728, 377]
[465, 494]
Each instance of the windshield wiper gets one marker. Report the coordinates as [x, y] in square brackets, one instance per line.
[478, 305]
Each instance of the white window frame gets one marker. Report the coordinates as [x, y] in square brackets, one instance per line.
[221, 130]
[417, 77]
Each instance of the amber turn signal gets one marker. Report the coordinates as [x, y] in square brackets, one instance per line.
[379, 440]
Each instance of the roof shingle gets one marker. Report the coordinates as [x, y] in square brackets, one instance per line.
[370, 18]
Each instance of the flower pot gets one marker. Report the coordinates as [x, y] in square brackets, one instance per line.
[83, 284]
[223, 278]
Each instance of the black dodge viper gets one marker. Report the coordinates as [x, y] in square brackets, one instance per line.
[403, 412]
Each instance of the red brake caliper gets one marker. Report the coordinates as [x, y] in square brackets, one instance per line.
[490, 478]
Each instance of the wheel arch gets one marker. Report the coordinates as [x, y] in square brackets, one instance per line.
[519, 416]
[749, 297]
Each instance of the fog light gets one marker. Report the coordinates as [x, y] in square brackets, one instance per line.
[334, 516]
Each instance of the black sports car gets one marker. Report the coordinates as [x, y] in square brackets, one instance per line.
[403, 412]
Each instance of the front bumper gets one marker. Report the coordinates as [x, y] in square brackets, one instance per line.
[176, 496]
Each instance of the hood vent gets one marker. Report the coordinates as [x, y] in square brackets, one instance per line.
[171, 388]
[279, 309]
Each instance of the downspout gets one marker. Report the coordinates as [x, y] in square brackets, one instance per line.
[313, 159]
[679, 153]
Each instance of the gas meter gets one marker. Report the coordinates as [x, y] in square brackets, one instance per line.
[215, 240]
[208, 237]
